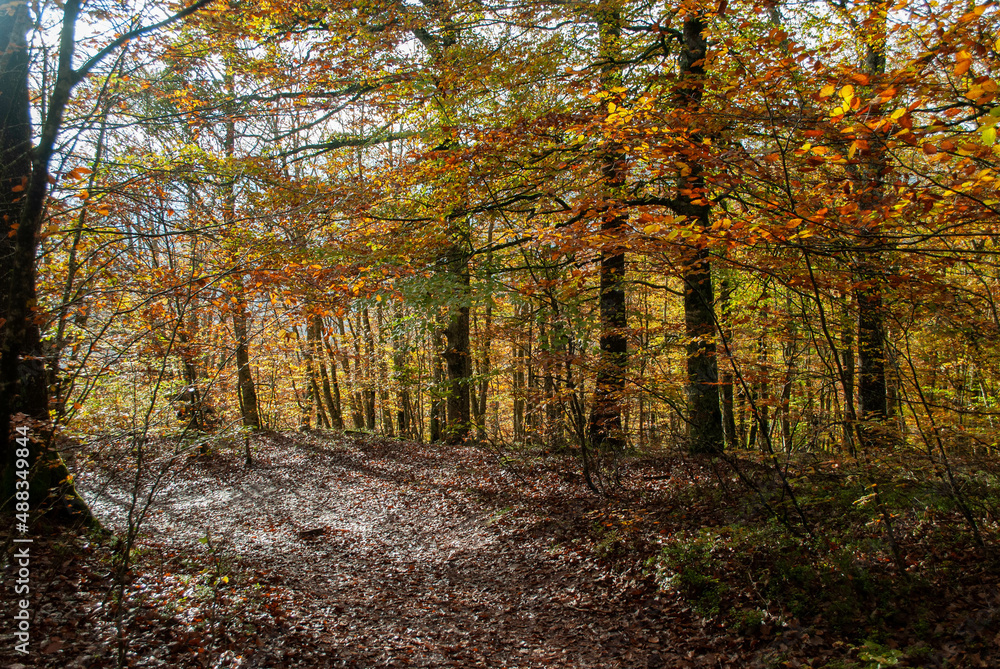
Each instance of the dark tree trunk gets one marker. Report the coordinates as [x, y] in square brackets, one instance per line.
[870, 183]
[456, 353]
[704, 415]
[438, 418]
[357, 417]
[871, 349]
[332, 416]
[371, 417]
[23, 187]
[605, 426]
[336, 407]
[249, 407]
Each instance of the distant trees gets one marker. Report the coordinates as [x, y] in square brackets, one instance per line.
[712, 225]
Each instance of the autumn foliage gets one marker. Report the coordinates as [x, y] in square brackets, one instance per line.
[761, 234]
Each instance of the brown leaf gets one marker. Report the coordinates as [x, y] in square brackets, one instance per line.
[53, 646]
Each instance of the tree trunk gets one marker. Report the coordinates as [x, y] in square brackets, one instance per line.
[357, 417]
[704, 415]
[479, 401]
[249, 408]
[519, 382]
[23, 186]
[388, 422]
[369, 390]
[305, 417]
[605, 426]
[456, 354]
[245, 390]
[438, 418]
[337, 409]
[728, 415]
[847, 353]
[336, 419]
[870, 181]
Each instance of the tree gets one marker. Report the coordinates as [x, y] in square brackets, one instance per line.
[704, 415]
[25, 177]
[607, 440]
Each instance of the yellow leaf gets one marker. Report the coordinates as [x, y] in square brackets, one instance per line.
[990, 135]
[898, 114]
[651, 229]
[827, 90]
[847, 92]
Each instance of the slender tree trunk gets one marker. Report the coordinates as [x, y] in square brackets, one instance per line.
[309, 380]
[249, 408]
[401, 376]
[519, 381]
[246, 392]
[388, 423]
[762, 395]
[457, 354]
[357, 417]
[336, 410]
[788, 350]
[479, 401]
[847, 353]
[728, 416]
[605, 427]
[371, 418]
[438, 407]
[336, 419]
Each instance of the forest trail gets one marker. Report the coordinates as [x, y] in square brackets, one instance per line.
[383, 553]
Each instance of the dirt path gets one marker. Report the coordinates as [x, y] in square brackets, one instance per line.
[379, 554]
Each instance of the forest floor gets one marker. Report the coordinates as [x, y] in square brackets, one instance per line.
[341, 551]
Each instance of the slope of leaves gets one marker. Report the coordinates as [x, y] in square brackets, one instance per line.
[356, 552]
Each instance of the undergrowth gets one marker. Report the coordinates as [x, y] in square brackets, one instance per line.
[743, 552]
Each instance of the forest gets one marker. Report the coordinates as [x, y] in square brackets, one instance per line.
[534, 333]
